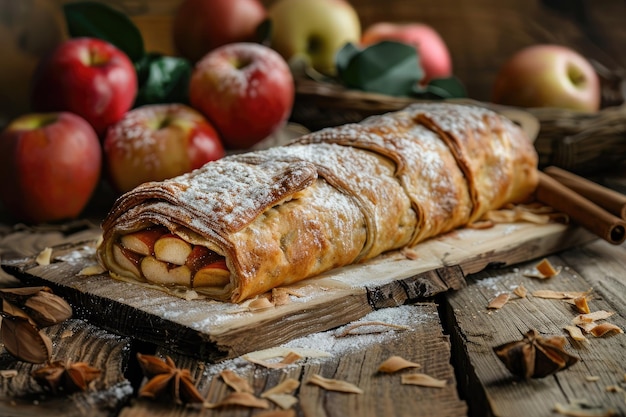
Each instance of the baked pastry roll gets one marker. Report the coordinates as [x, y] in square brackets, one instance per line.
[247, 223]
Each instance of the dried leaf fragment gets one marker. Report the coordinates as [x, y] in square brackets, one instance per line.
[535, 356]
[423, 380]
[44, 257]
[499, 301]
[23, 340]
[235, 381]
[334, 384]
[395, 364]
[243, 399]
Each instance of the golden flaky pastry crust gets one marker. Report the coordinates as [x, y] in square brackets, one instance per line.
[334, 197]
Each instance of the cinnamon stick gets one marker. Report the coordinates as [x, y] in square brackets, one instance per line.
[609, 199]
[581, 210]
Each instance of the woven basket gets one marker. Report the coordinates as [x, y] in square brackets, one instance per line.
[580, 142]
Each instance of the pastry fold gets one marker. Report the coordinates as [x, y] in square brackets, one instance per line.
[254, 221]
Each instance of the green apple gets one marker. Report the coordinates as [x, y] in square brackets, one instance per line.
[313, 30]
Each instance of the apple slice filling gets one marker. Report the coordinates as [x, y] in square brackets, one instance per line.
[158, 256]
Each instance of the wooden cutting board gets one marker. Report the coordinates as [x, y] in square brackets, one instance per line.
[212, 330]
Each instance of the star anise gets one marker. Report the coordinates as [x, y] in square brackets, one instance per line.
[166, 379]
[65, 378]
[535, 356]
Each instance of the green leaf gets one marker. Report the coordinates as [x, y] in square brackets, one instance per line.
[441, 88]
[97, 20]
[163, 79]
[391, 68]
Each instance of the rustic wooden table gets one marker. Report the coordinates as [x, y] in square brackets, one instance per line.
[451, 335]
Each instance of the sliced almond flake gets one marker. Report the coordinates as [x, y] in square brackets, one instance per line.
[520, 291]
[545, 267]
[92, 270]
[587, 327]
[67, 333]
[235, 381]
[557, 295]
[289, 359]
[581, 304]
[410, 253]
[349, 330]
[284, 401]
[423, 380]
[288, 386]
[576, 333]
[281, 352]
[604, 329]
[334, 384]
[395, 364]
[592, 378]
[276, 413]
[499, 301]
[614, 388]
[44, 257]
[8, 373]
[591, 317]
[261, 303]
[244, 399]
[292, 357]
[585, 410]
[280, 296]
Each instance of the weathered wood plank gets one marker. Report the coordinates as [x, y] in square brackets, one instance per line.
[73, 341]
[353, 358]
[215, 330]
[490, 388]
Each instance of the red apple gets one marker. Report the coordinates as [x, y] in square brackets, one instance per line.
[434, 56]
[245, 89]
[202, 25]
[50, 165]
[548, 75]
[158, 141]
[88, 77]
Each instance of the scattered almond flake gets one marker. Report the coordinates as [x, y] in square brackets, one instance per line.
[591, 317]
[92, 270]
[546, 268]
[395, 364]
[334, 384]
[575, 333]
[583, 410]
[284, 401]
[261, 303]
[67, 333]
[423, 380]
[282, 352]
[557, 295]
[499, 301]
[292, 357]
[276, 413]
[235, 381]
[410, 253]
[481, 224]
[581, 304]
[289, 359]
[288, 386]
[592, 378]
[8, 373]
[44, 257]
[603, 329]
[280, 296]
[587, 327]
[614, 388]
[349, 330]
[520, 291]
[244, 399]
